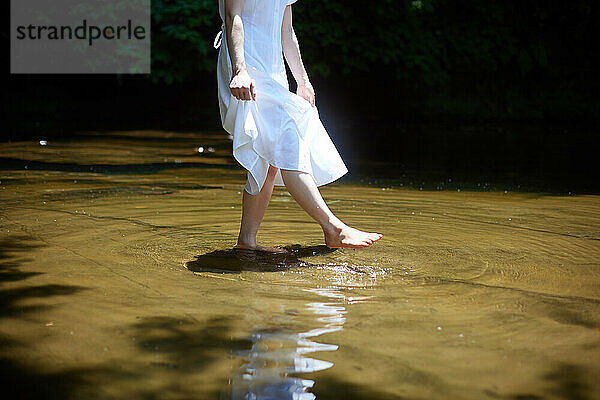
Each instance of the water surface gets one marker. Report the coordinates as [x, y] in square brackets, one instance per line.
[118, 281]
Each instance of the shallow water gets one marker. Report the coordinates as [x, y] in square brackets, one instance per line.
[118, 281]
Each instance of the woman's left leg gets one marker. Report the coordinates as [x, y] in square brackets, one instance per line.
[253, 211]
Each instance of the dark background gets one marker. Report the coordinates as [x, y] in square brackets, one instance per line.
[500, 90]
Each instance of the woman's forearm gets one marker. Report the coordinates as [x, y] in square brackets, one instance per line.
[291, 49]
[242, 86]
[234, 32]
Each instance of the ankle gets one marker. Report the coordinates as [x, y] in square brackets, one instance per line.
[333, 226]
[246, 241]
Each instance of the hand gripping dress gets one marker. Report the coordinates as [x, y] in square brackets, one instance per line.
[279, 128]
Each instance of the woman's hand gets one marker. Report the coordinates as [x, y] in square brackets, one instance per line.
[307, 92]
[242, 86]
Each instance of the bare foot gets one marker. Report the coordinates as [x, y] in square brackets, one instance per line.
[260, 248]
[349, 237]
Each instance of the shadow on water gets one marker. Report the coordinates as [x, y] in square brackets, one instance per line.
[181, 345]
[11, 298]
[567, 383]
[15, 164]
[123, 190]
[182, 349]
[237, 260]
[334, 388]
[27, 382]
[185, 344]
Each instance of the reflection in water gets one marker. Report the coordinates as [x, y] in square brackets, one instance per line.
[277, 354]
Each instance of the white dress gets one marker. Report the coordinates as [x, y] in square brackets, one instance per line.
[278, 128]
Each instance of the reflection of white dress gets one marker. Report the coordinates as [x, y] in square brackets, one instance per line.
[279, 128]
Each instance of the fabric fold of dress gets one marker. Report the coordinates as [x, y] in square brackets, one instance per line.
[279, 128]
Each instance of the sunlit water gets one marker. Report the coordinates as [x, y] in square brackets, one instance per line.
[118, 281]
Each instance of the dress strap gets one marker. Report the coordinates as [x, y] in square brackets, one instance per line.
[218, 38]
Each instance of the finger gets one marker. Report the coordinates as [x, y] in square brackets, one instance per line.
[245, 94]
[253, 90]
[308, 98]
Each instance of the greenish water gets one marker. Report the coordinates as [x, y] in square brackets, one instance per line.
[118, 281]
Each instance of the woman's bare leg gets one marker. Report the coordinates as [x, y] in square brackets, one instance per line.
[303, 189]
[253, 211]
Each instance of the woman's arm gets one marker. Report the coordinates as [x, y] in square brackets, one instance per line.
[291, 51]
[241, 85]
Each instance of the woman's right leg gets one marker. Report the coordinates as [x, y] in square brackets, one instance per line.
[253, 211]
[303, 189]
